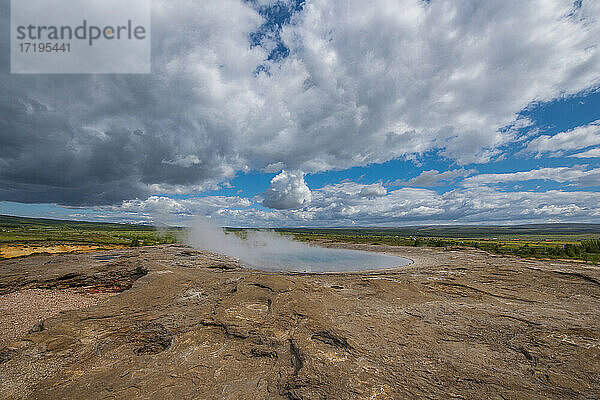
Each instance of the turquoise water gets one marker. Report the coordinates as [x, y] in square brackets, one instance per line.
[319, 259]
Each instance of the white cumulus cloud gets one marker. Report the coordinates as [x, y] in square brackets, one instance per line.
[288, 190]
[592, 153]
[579, 175]
[434, 178]
[574, 139]
[375, 190]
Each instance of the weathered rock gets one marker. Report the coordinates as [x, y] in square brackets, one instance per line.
[28, 273]
[457, 323]
[37, 327]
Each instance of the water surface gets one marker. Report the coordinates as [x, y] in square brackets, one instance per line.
[106, 257]
[320, 259]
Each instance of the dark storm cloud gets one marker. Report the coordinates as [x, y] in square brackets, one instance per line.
[50, 156]
[100, 139]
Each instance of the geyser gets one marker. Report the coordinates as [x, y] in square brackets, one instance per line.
[273, 252]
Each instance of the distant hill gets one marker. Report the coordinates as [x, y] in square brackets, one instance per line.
[454, 231]
[457, 231]
[12, 221]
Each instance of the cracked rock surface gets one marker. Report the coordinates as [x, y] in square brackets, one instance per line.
[191, 324]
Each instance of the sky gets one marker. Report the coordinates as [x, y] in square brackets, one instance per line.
[265, 113]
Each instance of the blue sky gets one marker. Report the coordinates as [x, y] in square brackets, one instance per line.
[323, 113]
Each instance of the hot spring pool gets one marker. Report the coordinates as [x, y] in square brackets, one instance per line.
[320, 259]
[271, 251]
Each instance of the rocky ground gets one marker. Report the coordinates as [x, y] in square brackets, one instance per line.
[26, 310]
[189, 324]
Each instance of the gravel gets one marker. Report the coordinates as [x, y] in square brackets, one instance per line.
[20, 311]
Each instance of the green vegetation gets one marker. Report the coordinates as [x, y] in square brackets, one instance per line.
[568, 241]
[529, 231]
[556, 241]
[45, 232]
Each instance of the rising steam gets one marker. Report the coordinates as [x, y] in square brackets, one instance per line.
[265, 249]
[272, 251]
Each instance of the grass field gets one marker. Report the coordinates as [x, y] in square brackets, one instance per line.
[23, 236]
